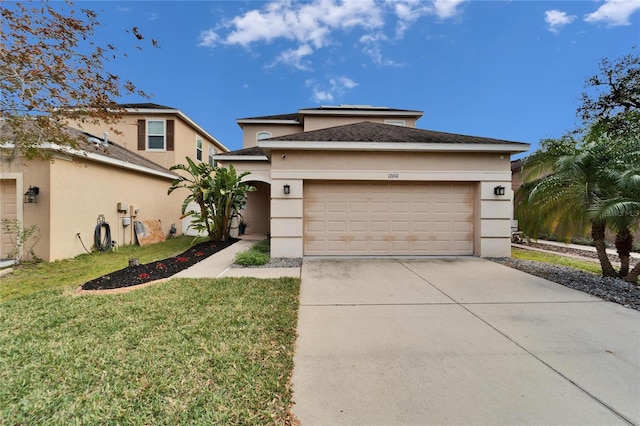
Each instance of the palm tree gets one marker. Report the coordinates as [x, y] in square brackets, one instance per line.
[198, 182]
[622, 213]
[565, 186]
[219, 192]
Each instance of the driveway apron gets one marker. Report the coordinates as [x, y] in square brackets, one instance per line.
[460, 341]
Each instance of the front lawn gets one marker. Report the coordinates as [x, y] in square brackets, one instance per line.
[34, 277]
[554, 259]
[183, 352]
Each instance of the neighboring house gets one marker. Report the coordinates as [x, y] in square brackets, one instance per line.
[362, 180]
[78, 186]
[160, 133]
[165, 136]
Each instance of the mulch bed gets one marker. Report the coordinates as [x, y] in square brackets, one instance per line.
[136, 275]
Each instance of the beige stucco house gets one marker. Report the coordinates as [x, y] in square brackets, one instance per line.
[124, 179]
[79, 186]
[363, 180]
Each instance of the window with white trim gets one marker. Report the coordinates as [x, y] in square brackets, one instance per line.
[198, 148]
[212, 152]
[156, 132]
[395, 122]
[263, 135]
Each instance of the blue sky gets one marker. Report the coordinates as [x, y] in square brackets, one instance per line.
[505, 69]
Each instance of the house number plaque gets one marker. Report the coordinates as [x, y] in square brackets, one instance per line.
[393, 176]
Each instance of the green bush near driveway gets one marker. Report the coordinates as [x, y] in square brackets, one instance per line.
[183, 352]
[257, 255]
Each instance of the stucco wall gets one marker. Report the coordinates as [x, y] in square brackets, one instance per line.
[74, 193]
[322, 121]
[250, 132]
[81, 190]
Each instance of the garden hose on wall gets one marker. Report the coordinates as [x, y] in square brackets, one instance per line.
[102, 244]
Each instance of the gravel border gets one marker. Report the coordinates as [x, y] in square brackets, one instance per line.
[607, 288]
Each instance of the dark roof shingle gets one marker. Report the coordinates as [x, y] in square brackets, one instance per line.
[377, 132]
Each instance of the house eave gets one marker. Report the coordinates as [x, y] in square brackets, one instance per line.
[363, 112]
[393, 146]
[241, 158]
[270, 121]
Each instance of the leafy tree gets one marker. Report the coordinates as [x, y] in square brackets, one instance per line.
[611, 101]
[219, 192]
[51, 71]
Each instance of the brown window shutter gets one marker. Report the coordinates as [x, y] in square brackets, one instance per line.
[170, 135]
[142, 133]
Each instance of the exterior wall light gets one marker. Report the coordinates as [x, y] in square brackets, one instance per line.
[287, 189]
[498, 190]
[31, 196]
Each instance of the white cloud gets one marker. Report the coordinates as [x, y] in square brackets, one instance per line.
[372, 48]
[209, 38]
[446, 9]
[310, 25]
[152, 16]
[334, 88]
[614, 12]
[295, 57]
[307, 23]
[557, 19]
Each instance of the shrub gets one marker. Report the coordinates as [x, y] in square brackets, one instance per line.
[251, 258]
[262, 247]
[257, 255]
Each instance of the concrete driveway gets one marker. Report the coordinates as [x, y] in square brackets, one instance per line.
[460, 341]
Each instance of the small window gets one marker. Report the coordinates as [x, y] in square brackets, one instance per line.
[198, 148]
[156, 135]
[212, 152]
[263, 135]
[395, 122]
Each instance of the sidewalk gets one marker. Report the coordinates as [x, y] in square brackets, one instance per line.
[219, 265]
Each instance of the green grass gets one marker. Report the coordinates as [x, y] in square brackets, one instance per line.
[33, 277]
[257, 255]
[183, 352]
[593, 267]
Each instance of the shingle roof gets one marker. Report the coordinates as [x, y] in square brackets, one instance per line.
[145, 106]
[113, 150]
[377, 132]
[253, 151]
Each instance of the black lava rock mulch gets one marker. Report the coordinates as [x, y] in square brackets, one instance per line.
[135, 275]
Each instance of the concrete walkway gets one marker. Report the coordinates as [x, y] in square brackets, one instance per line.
[459, 341]
[219, 265]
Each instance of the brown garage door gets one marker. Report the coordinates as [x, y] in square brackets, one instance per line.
[388, 218]
[7, 211]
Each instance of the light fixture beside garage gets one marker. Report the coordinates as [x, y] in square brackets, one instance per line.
[31, 196]
[287, 189]
[498, 190]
